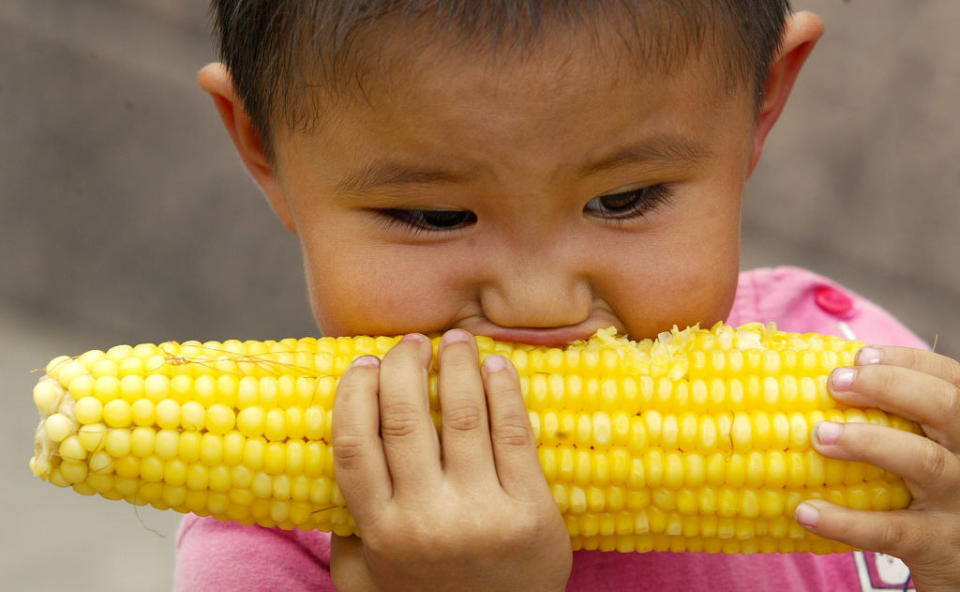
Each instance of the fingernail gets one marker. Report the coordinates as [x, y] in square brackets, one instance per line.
[828, 432]
[494, 363]
[455, 336]
[807, 515]
[372, 361]
[869, 355]
[415, 337]
[842, 378]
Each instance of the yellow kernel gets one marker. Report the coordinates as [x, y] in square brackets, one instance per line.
[274, 457]
[117, 443]
[192, 415]
[131, 387]
[254, 450]
[167, 443]
[294, 423]
[58, 426]
[129, 366]
[211, 449]
[101, 462]
[175, 472]
[82, 386]
[181, 387]
[313, 420]
[233, 448]
[92, 436]
[156, 387]
[117, 413]
[71, 449]
[88, 410]
[168, 414]
[46, 396]
[142, 412]
[219, 478]
[197, 477]
[274, 428]
[205, 390]
[189, 447]
[106, 388]
[151, 469]
[313, 459]
[250, 421]
[262, 485]
[142, 441]
[73, 471]
[69, 370]
[219, 419]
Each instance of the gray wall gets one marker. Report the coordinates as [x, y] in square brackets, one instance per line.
[126, 217]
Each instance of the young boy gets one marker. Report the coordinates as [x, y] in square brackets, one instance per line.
[534, 171]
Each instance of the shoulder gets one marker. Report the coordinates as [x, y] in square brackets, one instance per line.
[803, 301]
[214, 555]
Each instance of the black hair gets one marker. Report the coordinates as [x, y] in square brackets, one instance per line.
[277, 50]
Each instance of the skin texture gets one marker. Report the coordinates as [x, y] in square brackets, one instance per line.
[542, 258]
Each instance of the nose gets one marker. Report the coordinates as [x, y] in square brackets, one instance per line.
[537, 295]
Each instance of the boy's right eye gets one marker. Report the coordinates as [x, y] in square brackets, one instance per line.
[429, 220]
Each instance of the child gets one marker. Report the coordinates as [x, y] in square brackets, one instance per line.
[534, 171]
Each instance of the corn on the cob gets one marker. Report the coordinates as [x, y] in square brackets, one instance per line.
[697, 441]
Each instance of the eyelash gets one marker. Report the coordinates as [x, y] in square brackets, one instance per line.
[418, 221]
[640, 202]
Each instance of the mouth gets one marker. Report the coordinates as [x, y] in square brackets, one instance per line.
[547, 337]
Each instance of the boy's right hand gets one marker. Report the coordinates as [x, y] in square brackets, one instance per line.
[470, 510]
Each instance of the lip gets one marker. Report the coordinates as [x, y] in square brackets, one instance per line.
[548, 337]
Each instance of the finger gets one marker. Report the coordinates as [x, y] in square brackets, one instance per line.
[931, 401]
[348, 569]
[358, 460]
[465, 435]
[410, 439]
[900, 533]
[514, 447]
[930, 470]
[917, 359]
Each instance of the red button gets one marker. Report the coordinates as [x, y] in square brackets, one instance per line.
[833, 301]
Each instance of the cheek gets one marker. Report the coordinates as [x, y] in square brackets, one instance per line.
[684, 275]
[374, 291]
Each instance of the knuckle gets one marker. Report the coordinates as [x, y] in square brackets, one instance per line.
[399, 420]
[951, 403]
[465, 417]
[892, 536]
[348, 452]
[513, 432]
[933, 461]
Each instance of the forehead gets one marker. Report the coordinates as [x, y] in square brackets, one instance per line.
[388, 53]
[554, 100]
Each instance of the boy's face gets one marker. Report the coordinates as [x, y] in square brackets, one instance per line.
[530, 200]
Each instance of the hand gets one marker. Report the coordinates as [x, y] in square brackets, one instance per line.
[924, 387]
[469, 510]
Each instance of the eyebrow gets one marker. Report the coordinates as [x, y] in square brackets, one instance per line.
[387, 172]
[381, 173]
[662, 150]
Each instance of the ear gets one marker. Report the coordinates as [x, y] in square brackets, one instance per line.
[215, 79]
[800, 35]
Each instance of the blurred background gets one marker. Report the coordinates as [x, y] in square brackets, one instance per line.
[125, 216]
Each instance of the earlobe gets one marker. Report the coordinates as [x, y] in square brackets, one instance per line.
[800, 35]
[217, 82]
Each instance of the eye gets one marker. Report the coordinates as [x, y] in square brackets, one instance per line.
[430, 220]
[628, 204]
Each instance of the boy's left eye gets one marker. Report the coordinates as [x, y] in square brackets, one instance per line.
[628, 204]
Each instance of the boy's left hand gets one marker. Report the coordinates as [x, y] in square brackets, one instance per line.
[924, 387]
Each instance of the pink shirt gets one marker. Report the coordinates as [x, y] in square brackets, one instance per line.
[214, 555]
